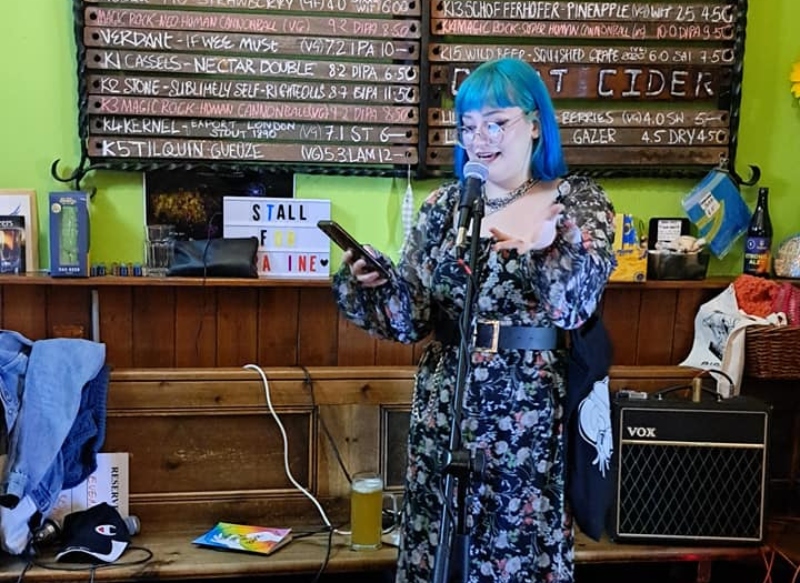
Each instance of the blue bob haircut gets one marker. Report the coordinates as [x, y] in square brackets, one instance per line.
[510, 82]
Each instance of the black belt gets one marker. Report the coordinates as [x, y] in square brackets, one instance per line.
[491, 336]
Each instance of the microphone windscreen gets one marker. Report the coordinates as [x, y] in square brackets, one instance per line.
[476, 170]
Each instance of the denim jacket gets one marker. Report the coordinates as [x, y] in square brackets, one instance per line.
[41, 386]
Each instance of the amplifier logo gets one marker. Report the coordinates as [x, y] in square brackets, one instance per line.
[641, 432]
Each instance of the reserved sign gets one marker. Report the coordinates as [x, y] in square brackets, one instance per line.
[290, 244]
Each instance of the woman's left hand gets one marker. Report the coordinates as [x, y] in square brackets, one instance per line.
[543, 235]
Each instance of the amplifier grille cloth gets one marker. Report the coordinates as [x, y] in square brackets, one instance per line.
[692, 491]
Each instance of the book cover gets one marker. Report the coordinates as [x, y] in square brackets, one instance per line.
[12, 251]
[263, 540]
[108, 483]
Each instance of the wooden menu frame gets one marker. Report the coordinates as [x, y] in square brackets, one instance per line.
[23, 202]
[354, 87]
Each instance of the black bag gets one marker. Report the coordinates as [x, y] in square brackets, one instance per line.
[215, 258]
[590, 485]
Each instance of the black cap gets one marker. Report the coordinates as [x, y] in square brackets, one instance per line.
[97, 533]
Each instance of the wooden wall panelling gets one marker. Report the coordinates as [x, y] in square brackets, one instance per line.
[162, 417]
[239, 463]
[356, 346]
[330, 476]
[238, 451]
[352, 411]
[116, 324]
[393, 353]
[25, 310]
[153, 326]
[395, 421]
[620, 311]
[360, 449]
[278, 321]
[317, 337]
[69, 312]
[689, 302]
[229, 325]
[195, 326]
[237, 326]
[656, 322]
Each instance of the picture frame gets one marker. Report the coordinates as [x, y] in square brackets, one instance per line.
[23, 202]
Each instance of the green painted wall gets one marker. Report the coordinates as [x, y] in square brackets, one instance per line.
[38, 113]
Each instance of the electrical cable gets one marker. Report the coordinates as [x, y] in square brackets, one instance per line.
[328, 526]
[285, 439]
[148, 554]
[25, 569]
[31, 551]
[337, 454]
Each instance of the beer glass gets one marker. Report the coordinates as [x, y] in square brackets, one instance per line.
[158, 249]
[366, 507]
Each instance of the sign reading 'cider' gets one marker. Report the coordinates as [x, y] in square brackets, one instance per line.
[290, 244]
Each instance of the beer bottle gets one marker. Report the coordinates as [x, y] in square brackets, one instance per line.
[758, 241]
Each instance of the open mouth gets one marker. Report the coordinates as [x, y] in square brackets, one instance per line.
[486, 156]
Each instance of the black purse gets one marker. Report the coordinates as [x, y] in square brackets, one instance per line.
[215, 258]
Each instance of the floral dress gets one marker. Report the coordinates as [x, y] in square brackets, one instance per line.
[520, 527]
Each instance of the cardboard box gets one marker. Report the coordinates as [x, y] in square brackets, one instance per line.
[631, 252]
[69, 234]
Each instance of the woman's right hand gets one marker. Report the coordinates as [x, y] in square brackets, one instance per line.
[359, 269]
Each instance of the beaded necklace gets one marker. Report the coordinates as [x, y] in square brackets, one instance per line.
[495, 204]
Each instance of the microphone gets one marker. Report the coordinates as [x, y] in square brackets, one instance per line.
[475, 174]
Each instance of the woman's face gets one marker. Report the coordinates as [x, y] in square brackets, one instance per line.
[502, 140]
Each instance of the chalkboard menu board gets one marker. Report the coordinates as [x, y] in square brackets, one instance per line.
[366, 86]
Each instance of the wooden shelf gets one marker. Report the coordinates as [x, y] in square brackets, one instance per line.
[112, 280]
[708, 283]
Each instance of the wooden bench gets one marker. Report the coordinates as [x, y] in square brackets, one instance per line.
[204, 448]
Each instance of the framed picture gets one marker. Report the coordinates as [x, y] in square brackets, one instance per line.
[23, 203]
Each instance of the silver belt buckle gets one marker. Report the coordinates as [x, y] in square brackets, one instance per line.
[492, 348]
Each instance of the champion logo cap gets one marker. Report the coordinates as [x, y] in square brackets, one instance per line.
[96, 534]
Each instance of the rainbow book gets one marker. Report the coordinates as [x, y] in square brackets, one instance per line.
[263, 540]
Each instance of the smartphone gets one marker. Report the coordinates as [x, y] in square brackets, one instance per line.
[346, 241]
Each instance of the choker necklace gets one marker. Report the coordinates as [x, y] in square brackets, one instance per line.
[495, 204]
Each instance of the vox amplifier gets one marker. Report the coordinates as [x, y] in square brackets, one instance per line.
[690, 470]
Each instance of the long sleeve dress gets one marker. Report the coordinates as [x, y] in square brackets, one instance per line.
[513, 400]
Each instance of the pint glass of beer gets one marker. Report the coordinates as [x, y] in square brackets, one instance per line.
[366, 507]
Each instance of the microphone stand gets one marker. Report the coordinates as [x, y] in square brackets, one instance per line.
[451, 561]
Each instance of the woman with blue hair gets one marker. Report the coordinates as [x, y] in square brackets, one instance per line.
[544, 257]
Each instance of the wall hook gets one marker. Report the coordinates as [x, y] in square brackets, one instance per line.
[78, 174]
[755, 175]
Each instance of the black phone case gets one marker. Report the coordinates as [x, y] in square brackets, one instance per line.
[346, 241]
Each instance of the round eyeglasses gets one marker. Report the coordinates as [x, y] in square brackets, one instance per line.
[491, 131]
